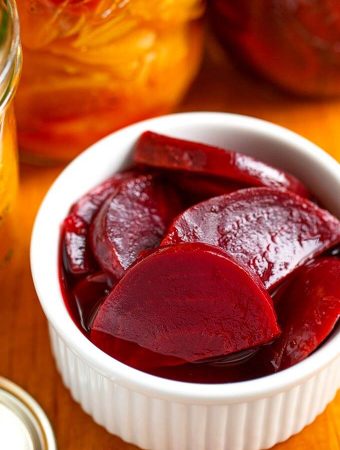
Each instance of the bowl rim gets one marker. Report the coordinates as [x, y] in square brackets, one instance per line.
[143, 382]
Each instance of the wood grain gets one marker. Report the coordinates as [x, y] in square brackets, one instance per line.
[25, 355]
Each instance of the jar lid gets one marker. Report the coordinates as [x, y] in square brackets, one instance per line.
[23, 424]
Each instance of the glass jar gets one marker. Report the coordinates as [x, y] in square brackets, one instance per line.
[10, 64]
[93, 66]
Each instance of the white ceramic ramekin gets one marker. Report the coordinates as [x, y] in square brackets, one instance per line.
[156, 413]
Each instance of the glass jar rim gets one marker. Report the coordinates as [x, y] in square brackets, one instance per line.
[12, 56]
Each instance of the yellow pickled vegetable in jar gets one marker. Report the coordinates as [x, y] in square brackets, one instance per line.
[93, 66]
[10, 63]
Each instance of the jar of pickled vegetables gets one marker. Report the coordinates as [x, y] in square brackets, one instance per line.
[292, 43]
[93, 66]
[10, 64]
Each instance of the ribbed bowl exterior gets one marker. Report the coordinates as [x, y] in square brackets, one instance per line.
[161, 424]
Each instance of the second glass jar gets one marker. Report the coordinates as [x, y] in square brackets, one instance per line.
[10, 65]
[93, 66]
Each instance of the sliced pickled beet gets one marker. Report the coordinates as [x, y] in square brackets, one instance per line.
[188, 301]
[131, 353]
[165, 152]
[75, 228]
[87, 206]
[308, 309]
[196, 188]
[132, 220]
[88, 294]
[270, 231]
[77, 259]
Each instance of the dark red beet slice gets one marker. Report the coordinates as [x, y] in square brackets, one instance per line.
[165, 152]
[133, 219]
[270, 231]
[132, 354]
[88, 294]
[87, 206]
[75, 228]
[188, 301]
[77, 259]
[196, 188]
[308, 309]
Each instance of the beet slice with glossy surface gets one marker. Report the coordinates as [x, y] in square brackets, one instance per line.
[133, 219]
[87, 206]
[308, 310]
[188, 301]
[133, 354]
[76, 257]
[166, 152]
[75, 228]
[87, 295]
[270, 231]
[196, 188]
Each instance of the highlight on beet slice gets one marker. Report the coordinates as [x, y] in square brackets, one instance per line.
[76, 257]
[308, 309]
[269, 231]
[75, 227]
[133, 219]
[166, 152]
[188, 301]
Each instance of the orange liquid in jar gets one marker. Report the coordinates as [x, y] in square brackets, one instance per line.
[93, 66]
[8, 185]
[10, 64]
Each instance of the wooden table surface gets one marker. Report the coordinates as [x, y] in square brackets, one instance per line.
[24, 344]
